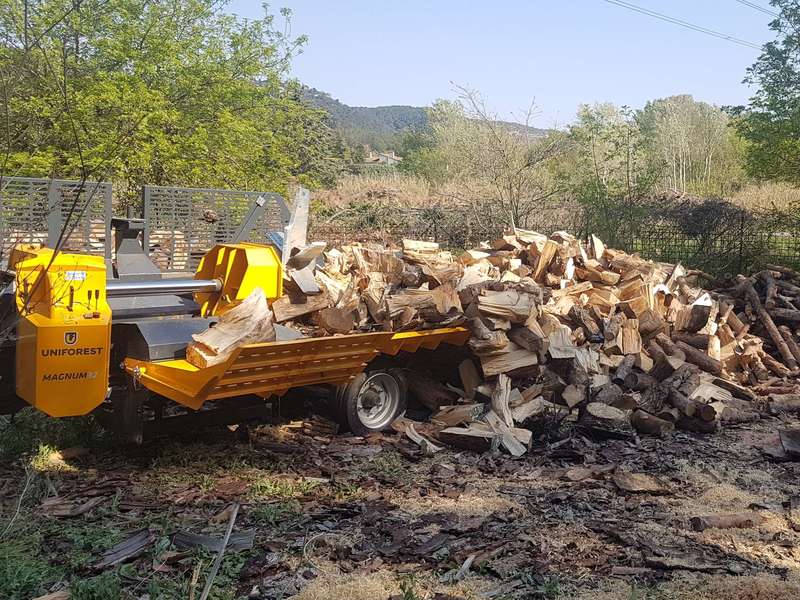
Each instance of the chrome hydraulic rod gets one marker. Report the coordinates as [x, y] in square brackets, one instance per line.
[157, 287]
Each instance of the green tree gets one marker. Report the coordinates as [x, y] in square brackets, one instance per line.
[691, 145]
[474, 158]
[156, 91]
[771, 122]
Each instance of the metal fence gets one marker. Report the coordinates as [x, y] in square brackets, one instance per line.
[38, 210]
[735, 242]
[182, 224]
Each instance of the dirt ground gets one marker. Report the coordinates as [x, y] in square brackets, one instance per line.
[372, 519]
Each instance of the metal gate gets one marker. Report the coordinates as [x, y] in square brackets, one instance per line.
[38, 210]
[182, 224]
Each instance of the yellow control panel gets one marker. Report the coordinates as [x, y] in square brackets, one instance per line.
[64, 331]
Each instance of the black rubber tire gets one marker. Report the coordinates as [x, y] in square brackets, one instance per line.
[346, 403]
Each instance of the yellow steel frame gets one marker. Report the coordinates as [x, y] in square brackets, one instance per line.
[273, 368]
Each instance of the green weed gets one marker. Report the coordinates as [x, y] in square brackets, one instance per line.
[27, 430]
[267, 487]
[102, 587]
[24, 572]
[274, 513]
[550, 589]
[408, 588]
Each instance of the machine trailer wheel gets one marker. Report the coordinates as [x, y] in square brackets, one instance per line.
[371, 401]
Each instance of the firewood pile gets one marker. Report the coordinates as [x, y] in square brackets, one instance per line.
[561, 329]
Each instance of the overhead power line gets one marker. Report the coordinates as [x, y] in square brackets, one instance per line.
[686, 24]
[766, 11]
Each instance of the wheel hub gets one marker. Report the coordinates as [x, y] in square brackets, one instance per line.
[378, 400]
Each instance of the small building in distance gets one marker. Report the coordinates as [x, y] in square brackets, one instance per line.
[388, 158]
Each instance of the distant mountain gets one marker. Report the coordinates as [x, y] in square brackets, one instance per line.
[382, 127]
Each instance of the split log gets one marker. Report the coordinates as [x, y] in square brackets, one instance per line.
[749, 293]
[288, 309]
[665, 366]
[701, 359]
[623, 370]
[507, 438]
[484, 339]
[473, 438]
[531, 337]
[573, 395]
[609, 393]
[248, 322]
[458, 414]
[335, 320]
[605, 420]
[428, 392]
[532, 408]
[546, 256]
[510, 304]
[470, 379]
[788, 337]
[494, 364]
[694, 318]
[646, 423]
[500, 396]
[789, 403]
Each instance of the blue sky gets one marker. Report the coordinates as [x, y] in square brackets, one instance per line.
[559, 53]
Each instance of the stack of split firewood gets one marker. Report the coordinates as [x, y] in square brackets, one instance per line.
[560, 328]
[768, 305]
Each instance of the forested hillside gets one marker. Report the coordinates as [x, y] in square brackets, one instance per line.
[381, 127]
[385, 127]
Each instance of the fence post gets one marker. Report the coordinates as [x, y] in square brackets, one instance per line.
[740, 266]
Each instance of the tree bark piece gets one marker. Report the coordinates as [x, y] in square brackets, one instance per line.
[500, 396]
[740, 520]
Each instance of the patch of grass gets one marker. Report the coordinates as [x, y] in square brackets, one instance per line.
[102, 587]
[269, 487]
[24, 571]
[86, 541]
[389, 464]
[345, 492]
[27, 430]
[275, 513]
[549, 589]
[408, 588]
